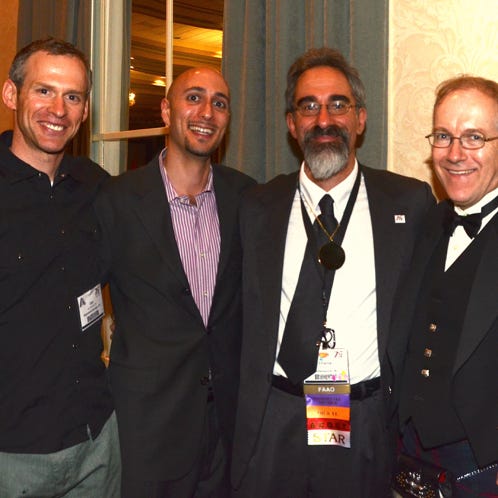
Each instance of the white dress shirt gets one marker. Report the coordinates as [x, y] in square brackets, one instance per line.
[352, 306]
[459, 241]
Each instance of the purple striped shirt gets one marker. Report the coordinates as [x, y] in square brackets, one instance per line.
[197, 234]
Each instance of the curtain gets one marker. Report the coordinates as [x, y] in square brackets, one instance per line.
[262, 38]
[111, 62]
[65, 19]
[71, 20]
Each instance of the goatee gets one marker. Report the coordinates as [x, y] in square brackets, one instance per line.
[326, 159]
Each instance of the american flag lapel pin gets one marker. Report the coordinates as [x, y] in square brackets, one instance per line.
[399, 218]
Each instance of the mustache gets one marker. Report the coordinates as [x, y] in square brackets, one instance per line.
[330, 131]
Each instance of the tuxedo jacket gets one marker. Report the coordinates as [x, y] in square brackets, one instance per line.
[264, 221]
[474, 385]
[162, 354]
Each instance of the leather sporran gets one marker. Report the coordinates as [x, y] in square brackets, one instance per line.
[419, 479]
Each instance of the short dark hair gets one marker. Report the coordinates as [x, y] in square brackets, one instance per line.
[466, 82]
[52, 46]
[324, 56]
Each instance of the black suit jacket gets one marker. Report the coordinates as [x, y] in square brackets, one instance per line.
[474, 372]
[162, 352]
[264, 220]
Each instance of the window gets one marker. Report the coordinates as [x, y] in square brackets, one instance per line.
[139, 46]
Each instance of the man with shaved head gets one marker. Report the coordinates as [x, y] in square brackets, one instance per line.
[173, 252]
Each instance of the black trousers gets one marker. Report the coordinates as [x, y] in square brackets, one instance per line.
[208, 477]
[284, 466]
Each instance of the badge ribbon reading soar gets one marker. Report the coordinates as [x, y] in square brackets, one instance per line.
[328, 406]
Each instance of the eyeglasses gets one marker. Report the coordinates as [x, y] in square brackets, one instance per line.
[471, 141]
[335, 108]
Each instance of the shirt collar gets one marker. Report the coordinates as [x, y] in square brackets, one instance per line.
[15, 169]
[476, 208]
[340, 193]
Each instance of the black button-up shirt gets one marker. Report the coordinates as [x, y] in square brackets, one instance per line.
[53, 384]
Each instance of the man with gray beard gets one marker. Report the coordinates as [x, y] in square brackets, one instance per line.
[326, 159]
[324, 251]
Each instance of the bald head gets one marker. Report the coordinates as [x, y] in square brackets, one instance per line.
[197, 111]
[201, 75]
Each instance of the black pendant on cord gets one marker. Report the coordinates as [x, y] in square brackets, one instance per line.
[331, 256]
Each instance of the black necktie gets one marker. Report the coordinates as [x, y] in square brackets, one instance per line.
[327, 217]
[304, 326]
[472, 222]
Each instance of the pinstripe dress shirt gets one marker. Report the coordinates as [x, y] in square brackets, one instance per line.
[197, 233]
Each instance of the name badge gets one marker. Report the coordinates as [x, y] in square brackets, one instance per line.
[328, 406]
[91, 307]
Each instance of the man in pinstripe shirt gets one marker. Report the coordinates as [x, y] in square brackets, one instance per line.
[173, 252]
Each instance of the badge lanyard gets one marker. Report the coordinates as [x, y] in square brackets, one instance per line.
[328, 275]
[328, 400]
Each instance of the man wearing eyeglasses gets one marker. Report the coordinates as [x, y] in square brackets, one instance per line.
[324, 249]
[449, 308]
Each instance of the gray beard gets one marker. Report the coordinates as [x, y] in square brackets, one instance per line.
[326, 160]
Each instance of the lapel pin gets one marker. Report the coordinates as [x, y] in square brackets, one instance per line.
[399, 218]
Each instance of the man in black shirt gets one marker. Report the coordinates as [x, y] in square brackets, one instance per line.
[57, 429]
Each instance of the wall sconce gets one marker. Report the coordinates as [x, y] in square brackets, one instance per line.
[131, 99]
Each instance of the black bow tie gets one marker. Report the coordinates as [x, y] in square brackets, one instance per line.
[472, 222]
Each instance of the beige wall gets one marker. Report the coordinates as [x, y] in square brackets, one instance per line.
[8, 42]
[430, 41]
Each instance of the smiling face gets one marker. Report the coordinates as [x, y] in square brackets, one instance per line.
[467, 175]
[197, 111]
[49, 107]
[327, 141]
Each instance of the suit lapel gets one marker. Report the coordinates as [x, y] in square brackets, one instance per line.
[389, 247]
[387, 252]
[272, 223]
[405, 302]
[481, 310]
[152, 209]
[227, 205]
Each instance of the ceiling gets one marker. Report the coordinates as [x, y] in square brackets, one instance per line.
[197, 41]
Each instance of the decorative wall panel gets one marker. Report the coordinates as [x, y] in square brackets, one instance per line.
[430, 41]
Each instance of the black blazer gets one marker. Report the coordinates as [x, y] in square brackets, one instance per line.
[475, 379]
[264, 220]
[162, 352]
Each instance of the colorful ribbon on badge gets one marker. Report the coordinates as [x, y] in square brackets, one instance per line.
[328, 414]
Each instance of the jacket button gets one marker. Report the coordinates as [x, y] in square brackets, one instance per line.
[432, 327]
[186, 291]
[425, 372]
[427, 352]
[204, 380]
